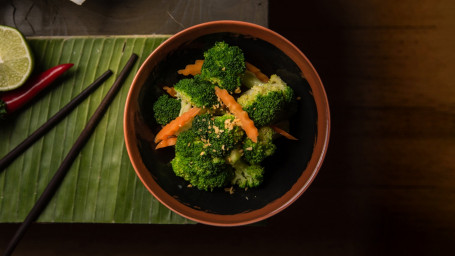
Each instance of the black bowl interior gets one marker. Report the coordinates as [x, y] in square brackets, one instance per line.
[281, 170]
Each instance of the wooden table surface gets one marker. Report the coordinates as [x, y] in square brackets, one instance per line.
[387, 186]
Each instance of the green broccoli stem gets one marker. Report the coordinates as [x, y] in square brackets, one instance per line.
[234, 156]
[249, 79]
[185, 106]
[240, 164]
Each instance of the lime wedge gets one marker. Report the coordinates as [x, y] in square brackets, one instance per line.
[16, 60]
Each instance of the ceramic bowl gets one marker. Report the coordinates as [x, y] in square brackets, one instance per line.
[288, 173]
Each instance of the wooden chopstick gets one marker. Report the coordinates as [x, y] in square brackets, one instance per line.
[54, 184]
[49, 124]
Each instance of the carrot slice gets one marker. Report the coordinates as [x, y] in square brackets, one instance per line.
[284, 133]
[175, 125]
[257, 72]
[250, 67]
[192, 69]
[167, 142]
[245, 121]
[170, 90]
[261, 76]
[195, 69]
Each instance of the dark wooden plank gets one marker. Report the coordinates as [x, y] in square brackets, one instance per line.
[387, 186]
[388, 182]
[119, 17]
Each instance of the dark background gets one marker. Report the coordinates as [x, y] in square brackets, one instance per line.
[387, 186]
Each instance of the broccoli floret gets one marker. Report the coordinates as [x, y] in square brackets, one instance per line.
[223, 66]
[266, 103]
[220, 133]
[247, 176]
[197, 162]
[255, 153]
[204, 172]
[225, 135]
[195, 92]
[166, 109]
[201, 124]
[189, 144]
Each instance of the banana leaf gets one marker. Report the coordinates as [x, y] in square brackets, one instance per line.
[101, 186]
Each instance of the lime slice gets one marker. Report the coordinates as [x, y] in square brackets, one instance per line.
[16, 60]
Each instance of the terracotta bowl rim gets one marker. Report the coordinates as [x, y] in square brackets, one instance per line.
[320, 144]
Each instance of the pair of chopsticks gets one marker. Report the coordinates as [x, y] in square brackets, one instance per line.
[24, 145]
[58, 177]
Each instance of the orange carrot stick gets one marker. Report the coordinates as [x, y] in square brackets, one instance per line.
[175, 125]
[170, 90]
[245, 121]
[283, 133]
[261, 76]
[250, 67]
[167, 142]
[192, 69]
[257, 72]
